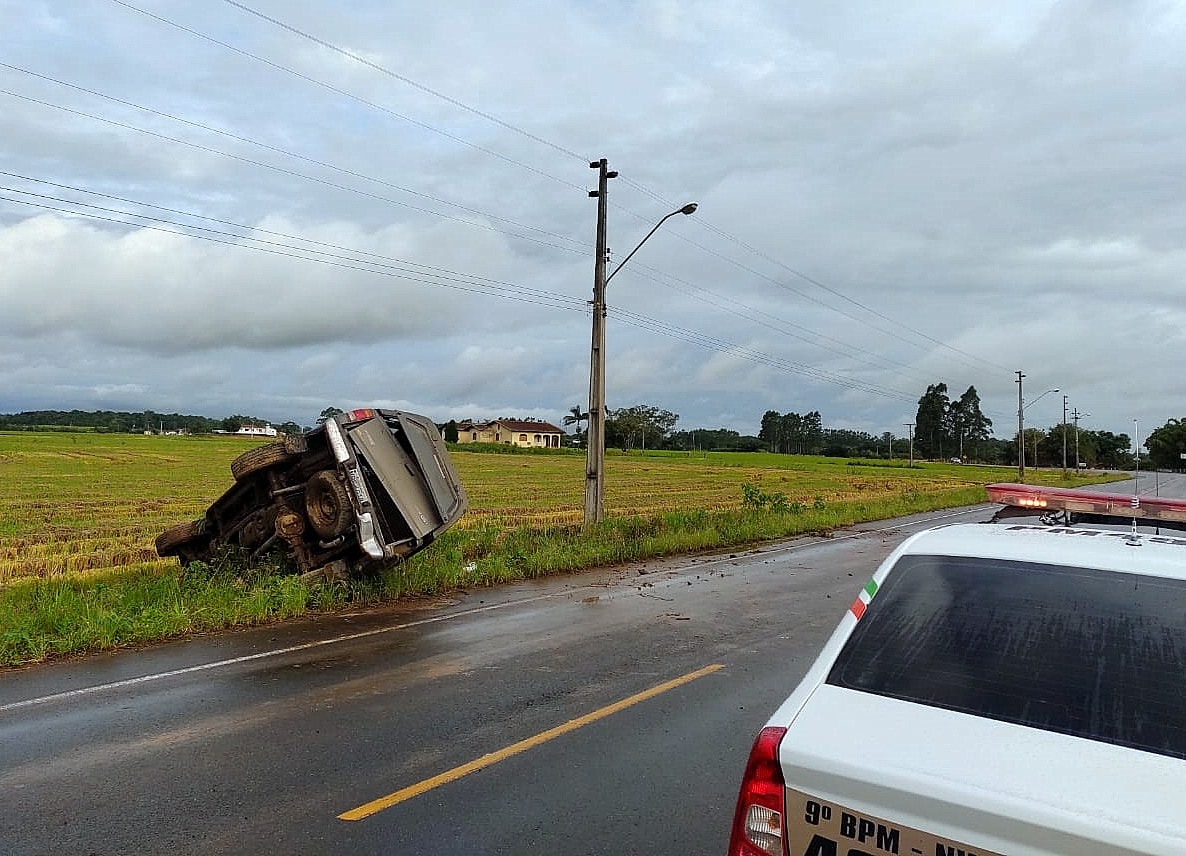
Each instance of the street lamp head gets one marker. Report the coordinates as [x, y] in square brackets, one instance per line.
[690, 208]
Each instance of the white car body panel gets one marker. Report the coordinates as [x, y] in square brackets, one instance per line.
[1009, 788]
[1002, 787]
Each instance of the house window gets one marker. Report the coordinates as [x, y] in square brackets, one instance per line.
[474, 436]
[522, 438]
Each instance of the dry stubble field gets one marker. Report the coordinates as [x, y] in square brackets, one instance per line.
[92, 503]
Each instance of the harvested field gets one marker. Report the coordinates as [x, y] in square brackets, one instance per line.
[77, 503]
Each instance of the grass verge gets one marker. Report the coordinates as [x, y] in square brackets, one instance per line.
[42, 618]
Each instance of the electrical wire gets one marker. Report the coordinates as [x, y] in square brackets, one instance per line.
[569, 152]
[772, 322]
[967, 358]
[459, 282]
[490, 117]
[296, 174]
[422, 125]
[506, 125]
[702, 295]
[722, 346]
[295, 155]
[233, 224]
[444, 279]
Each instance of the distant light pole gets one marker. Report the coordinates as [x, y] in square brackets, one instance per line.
[1020, 430]
[1064, 437]
[595, 452]
[1021, 407]
[910, 433]
[1076, 415]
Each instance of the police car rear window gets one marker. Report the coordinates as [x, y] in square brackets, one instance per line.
[1094, 654]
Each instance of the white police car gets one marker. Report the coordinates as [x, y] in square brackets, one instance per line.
[1003, 689]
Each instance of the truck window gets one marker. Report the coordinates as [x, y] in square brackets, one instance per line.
[1095, 654]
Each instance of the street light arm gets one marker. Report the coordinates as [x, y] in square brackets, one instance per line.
[1039, 398]
[687, 209]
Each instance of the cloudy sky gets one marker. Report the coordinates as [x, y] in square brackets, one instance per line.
[275, 206]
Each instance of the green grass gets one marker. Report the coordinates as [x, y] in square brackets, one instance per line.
[78, 572]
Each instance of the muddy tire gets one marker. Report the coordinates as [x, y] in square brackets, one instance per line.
[174, 540]
[327, 505]
[258, 459]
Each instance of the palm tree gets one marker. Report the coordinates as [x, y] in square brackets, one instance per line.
[575, 417]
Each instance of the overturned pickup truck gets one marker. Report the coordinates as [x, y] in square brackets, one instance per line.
[365, 488]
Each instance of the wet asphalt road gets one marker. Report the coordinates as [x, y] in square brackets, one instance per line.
[257, 741]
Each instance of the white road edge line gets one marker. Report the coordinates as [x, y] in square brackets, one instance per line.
[260, 655]
[276, 652]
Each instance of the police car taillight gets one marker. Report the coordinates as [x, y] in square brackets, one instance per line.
[1088, 501]
[759, 826]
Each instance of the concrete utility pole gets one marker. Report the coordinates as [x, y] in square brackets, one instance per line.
[1064, 436]
[1076, 415]
[595, 441]
[910, 434]
[1020, 431]
[595, 453]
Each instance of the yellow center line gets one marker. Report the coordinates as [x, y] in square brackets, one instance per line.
[378, 805]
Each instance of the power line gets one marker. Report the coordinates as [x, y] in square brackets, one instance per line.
[536, 138]
[285, 152]
[457, 282]
[404, 79]
[720, 345]
[775, 323]
[280, 169]
[233, 224]
[718, 303]
[566, 151]
[720, 232]
[308, 79]
[441, 278]
[697, 295]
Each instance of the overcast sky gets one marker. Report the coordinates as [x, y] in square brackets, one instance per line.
[276, 206]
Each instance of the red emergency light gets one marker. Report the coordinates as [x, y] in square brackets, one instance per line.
[1088, 501]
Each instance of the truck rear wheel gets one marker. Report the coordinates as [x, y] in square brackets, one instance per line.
[327, 504]
[173, 540]
[258, 459]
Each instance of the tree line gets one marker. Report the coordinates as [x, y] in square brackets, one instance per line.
[946, 428]
[125, 422]
[943, 428]
[644, 426]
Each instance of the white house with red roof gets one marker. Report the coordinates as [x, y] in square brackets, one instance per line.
[525, 433]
